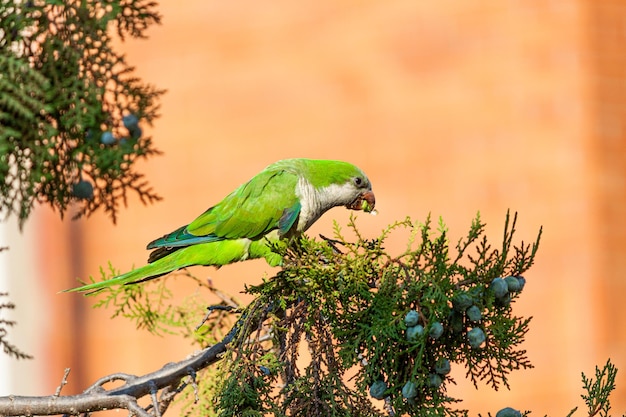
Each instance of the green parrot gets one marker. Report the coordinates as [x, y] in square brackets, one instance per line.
[282, 201]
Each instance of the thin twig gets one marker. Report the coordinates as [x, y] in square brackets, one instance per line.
[194, 384]
[136, 409]
[155, 401]
[333, 243]
[63, 382]
[211, 309]
[119, 376]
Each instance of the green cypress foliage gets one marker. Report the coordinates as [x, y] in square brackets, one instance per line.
[63, 91]
[373, 325]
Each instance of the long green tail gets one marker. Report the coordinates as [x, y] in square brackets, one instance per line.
[149, 271]
[212, 253]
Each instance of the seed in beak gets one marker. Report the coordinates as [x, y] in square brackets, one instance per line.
[368, 201]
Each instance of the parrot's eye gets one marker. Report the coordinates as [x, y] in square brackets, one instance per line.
[358, 181]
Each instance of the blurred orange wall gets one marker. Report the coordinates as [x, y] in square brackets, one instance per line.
[450, 107]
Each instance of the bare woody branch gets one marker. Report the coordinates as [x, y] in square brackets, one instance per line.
[97, 398]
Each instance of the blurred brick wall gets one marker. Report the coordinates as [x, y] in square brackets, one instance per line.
[450, 107]
[608, 113]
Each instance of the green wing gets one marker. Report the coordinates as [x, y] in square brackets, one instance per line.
[266, 202]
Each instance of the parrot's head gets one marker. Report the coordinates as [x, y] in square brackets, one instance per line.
[325, 184]
[354, 188]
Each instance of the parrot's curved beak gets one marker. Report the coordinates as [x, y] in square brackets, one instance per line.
[365, 202]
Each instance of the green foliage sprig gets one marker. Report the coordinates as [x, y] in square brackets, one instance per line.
[155, 309]
[597, 390]
[8, 347]
[70, 106]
